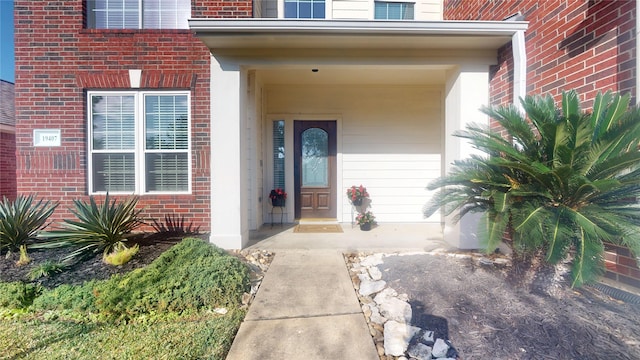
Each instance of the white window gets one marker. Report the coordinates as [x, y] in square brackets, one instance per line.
[393, 10]
[304, 9]
[138, 14]
[139, 142]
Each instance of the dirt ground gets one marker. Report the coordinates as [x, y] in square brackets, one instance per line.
[485, 317]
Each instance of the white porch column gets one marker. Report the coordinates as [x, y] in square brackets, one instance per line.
[228, 185]
[467, 90]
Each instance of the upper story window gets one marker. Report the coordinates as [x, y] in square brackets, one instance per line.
[138, 14]
[393, 10]
[304, 9]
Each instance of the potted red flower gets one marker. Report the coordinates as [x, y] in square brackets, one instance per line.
[357, 194]
[278, 197]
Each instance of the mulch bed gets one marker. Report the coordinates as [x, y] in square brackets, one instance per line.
[485, 316]
[95, 268]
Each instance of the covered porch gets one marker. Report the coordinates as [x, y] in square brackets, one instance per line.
[384, 237]
[391, 92]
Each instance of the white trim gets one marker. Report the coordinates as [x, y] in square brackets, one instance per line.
[326, 26]
[138, 151]
[134, 78]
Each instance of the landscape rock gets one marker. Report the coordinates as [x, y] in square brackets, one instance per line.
[385, 294]
[375, 273]
[368, 287]
[420, 351]
[427, 337]
[375, 317]
[372, 260]
[397, 337]
[396, 310]
[440, 348]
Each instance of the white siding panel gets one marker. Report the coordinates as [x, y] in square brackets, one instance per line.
[390, 141]
[426, 10]
[352, 9]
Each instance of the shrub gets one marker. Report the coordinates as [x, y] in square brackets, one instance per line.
[17, 295]
[562, 181]
[20, 220]
[79, 298]
[99, 228]
[189, 276]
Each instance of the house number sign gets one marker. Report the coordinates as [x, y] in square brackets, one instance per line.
[46, 137]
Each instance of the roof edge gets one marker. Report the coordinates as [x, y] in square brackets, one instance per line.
[364, 27]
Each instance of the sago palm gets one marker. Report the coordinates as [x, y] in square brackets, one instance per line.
[562, 181]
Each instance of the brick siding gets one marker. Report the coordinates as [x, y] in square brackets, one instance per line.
[58, 60]
[584, 45]
[621, 266]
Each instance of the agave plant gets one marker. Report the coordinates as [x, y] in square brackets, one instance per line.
[100, 228]
[21, 220]
[560, 183]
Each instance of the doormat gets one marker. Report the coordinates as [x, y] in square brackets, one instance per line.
[317, 228]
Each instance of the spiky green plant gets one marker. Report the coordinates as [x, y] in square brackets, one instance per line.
[21, 220]
[100, 228]
[562, 181]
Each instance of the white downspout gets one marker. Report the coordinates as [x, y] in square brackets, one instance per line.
[519, 67]
[519, 49]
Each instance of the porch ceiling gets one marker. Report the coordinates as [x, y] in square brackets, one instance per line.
[349, 34]
[362, 75]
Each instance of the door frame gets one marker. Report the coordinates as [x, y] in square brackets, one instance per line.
[331, 127]
[267, 158]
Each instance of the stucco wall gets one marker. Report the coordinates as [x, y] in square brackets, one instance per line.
[389, 140]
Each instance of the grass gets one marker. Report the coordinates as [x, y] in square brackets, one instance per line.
[198, 337]
[162, 311]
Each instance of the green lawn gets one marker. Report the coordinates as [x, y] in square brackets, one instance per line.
[162, 311]
[199, 337]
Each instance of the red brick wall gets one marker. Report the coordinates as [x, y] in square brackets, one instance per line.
[621, 265]
[57, 60]
[8, 185]
[584, 45]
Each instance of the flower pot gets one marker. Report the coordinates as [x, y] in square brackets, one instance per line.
[357, 202]
[365, 226]
[278, 202]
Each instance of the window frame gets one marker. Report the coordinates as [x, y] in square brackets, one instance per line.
[139, 151]
[311, 2]
[90, 10]
[392, 2]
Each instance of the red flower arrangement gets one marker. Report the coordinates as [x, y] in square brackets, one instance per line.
[357, 193]
[277, 194]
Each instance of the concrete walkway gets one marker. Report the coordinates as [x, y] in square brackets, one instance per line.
[306, 308]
